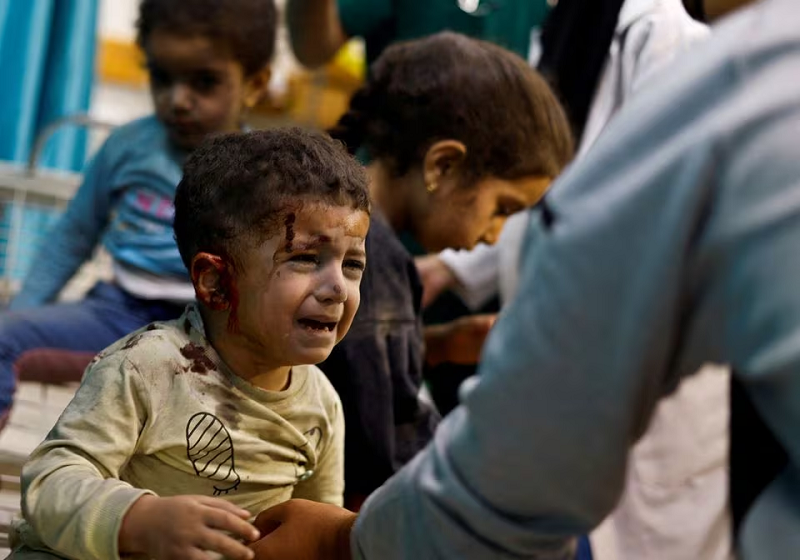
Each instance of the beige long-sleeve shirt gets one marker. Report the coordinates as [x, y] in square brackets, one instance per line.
[160, 412]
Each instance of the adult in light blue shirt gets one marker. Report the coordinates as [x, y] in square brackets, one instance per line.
[675, 242]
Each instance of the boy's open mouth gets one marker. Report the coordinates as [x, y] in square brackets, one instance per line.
[315, 325]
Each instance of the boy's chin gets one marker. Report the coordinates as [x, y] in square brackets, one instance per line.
[186, 142]
[311, 356]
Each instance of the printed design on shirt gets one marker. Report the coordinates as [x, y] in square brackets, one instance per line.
[314, 437]
[210, 449]
[143, 211]
[314, 440]
[154, 204]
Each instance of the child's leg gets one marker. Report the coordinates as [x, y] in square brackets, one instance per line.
[106, 315]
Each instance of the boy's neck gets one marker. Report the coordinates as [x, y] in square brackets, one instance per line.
[242, 356]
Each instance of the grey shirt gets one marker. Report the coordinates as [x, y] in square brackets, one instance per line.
[674, 242]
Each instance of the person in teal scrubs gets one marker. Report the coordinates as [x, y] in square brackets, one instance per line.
[318, 28]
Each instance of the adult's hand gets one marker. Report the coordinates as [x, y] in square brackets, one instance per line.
[304, 530]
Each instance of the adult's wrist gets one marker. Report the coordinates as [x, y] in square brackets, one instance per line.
[343, 535]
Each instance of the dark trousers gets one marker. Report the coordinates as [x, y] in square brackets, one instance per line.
[105, 315]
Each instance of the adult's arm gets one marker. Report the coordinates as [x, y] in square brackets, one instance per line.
[315, 30]
[686, 212]
[319, 28]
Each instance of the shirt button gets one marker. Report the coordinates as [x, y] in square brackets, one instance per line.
[306, 475]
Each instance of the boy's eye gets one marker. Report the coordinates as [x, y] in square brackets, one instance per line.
[205, 81]
[158, 77]
[355, 265]
[305, 259]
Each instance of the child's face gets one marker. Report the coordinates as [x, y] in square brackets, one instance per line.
[197, 88]
[299, 291]
[460, 218]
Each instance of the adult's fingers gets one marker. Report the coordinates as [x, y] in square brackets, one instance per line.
[270, 519]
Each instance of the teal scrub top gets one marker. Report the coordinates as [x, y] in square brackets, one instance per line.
[382, 22]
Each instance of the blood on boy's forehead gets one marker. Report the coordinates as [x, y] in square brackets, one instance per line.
[312, 242]
[288, 223]
[320, 216]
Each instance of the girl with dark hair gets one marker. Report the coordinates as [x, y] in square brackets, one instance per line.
[459, 134]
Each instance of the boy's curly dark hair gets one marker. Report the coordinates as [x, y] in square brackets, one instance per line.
[247, 28]
[236, 188]
[448, 86]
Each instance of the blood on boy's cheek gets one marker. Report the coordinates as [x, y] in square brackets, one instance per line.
[227, 284]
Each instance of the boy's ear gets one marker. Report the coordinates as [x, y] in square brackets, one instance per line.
[256, 86]
[208, 272]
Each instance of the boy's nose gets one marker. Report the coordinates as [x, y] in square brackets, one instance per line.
[180, 98]
[332, 287]
[333, 292]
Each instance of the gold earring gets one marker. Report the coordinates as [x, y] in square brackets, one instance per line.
[431, 187]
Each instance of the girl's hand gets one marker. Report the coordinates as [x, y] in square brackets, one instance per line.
[186, 528]
[459, 341]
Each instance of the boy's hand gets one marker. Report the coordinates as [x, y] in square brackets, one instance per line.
[304, 530]
[459, 341]
[185, 527]
[436, 277]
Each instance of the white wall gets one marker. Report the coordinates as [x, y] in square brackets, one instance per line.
[117, 19]
[113, 103]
